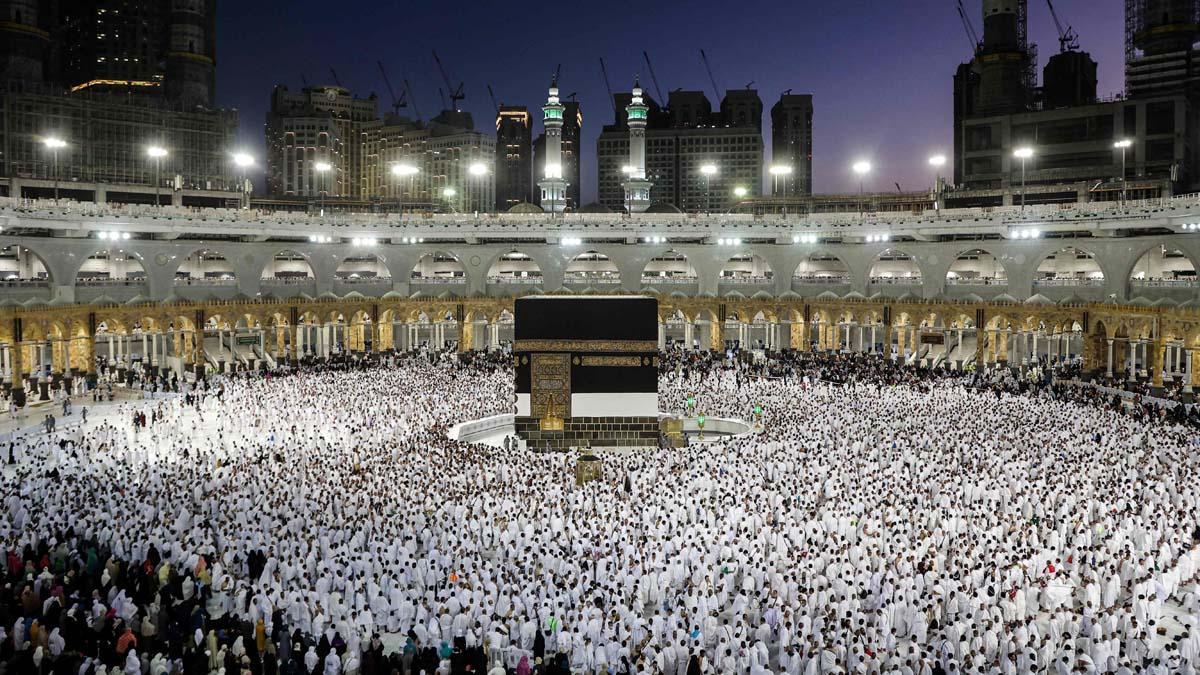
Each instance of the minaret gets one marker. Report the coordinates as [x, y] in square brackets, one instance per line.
[637, 188]
[554, 188]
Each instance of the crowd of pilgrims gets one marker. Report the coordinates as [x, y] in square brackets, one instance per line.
[883, 520]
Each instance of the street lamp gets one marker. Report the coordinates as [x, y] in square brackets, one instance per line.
[937, 162]
[157, 153]
[477, 170]
[322, 168]
[400, 171]
[1124, 144]
[448, 193]
[243, 161]
[1023, 154]
[54, 144]
[709, 170]
[861, 169]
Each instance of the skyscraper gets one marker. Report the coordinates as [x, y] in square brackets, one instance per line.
[514, 157]
[791, 145]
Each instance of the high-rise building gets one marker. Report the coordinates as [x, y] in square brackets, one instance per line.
[311, 128]
[572, 130]
[791, 145]
[109, 78]
[514, 157]
[679, 142]
[1073, 137]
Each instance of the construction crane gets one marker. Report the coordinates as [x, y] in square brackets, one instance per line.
[492, 94]
[611, 99]
[654, 78]
[1068, 39]
[557, 73]
[456, 94]
[397, 103]
[336, 80]
[966, 22]
[713, 80]
[411, 97]
[304, 80]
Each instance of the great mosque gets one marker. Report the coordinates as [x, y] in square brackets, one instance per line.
[199, 290]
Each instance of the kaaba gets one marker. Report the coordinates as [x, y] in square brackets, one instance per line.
[586, 371]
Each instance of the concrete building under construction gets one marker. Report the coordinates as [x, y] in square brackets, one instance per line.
[1073, 133]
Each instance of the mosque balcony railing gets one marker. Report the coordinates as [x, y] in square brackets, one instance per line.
[25, 283]
[596, 279]
[515, 281]
[976, 281]
[287, 281]
[1068, 282]
[70, 215]
[102, 281]
[668, 281]
[821, 279]
[364, 281]
[205, 281]
[441, 281]
[896, 281]
[746, 281]
[1165, 283]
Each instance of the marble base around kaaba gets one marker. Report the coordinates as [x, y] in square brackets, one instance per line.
[596, 432]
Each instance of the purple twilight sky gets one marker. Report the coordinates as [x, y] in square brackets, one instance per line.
[880, 72]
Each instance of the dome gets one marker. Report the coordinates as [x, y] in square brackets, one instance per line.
[854, 295]
[1165, 302]
[1004, 297]
[1038, 299]
[662, 207]
[761, 295]
[526, 208]
[736, 295]
[971, 297]
[789, 295]
[594, 207]
[1140, 301]
[393, 295]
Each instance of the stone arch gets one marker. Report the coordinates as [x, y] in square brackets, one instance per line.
[287, 265]
[33, 269]
[669, 266]
[822, 267]
[438, 267]
[977, 266]
[362, 267]
[592, 267]
[204, 264]
[746, 267]
[116, 265]
[1163, 265]
[1070, 265]
[514, 266]
[893, 265]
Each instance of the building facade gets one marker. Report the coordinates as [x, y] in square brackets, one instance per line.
[679, 142]
[313, 127]
[514, 157]
[791, 145]
[109, 78]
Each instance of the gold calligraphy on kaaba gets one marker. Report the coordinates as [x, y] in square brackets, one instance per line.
[550, 385]
[622, 361]
[619, 346]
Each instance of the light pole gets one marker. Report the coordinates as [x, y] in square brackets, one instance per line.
[321, 168]
[401, 171]
[1023, 154]
[739, 192]
[778, 170]
[243, 161]
[54, 144]
[709, 170]
[937, 162]
[477, 170]
[861, 169]
[157, 153]
[1124, 144]
[448, 193]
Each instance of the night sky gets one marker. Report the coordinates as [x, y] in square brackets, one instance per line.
[880, 72]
